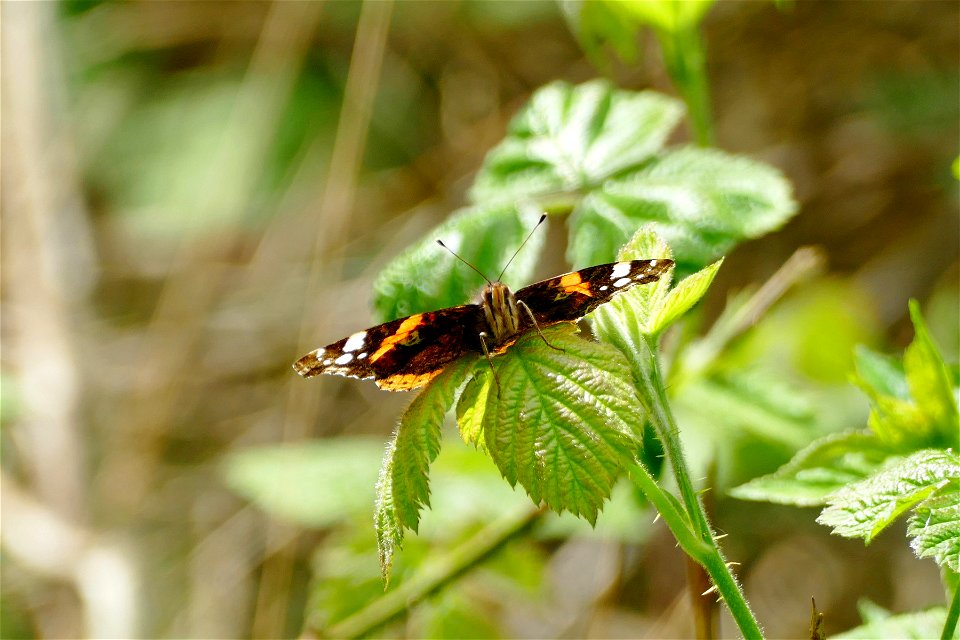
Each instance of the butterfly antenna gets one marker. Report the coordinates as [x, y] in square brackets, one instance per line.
[440, 242]
[537, 226]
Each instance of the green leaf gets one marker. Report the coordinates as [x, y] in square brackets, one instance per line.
[426, 277]
[681, 299]
[624, 321]
[914, 405]
[816, 472]
[315, 484]
[403, 487]
[863, 509]
[930, 382]
[881, 373]
[569, 138]
[564, 420]
[702, 201]
[935, 527]
[471, 409]
[917, 624]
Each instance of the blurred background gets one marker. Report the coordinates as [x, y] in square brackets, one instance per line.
[196, 193]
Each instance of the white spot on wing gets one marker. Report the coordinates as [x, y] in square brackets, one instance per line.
[355, 341]
[604, 288]
[653, 263]
[344, 359]
[327, 362]
[622, 282]
[620, 270]
[362, 356]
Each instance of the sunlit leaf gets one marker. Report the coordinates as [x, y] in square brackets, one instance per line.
[935, 527]
[564, 420]
[930, 382]
[702, 203]
[863, 509]
[682, 297]
[570, 138]
[403, 487]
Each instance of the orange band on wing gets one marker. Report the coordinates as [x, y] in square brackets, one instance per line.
[573, 283]
[406, 327]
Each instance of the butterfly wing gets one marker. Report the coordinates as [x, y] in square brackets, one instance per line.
[573, 295]
[399, 355]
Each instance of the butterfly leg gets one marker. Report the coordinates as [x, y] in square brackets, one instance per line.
[524, 306]
[486, 352]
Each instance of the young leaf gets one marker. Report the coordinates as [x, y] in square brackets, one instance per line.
[930, 383]
[564, 420]
[913, 405]
[863, 509]
[682, 297]
[880, 372]
[702, 202]
[426, 277]
[403, 487]
[570, 138]
[623, 321]
[823, 467]
[935, 527]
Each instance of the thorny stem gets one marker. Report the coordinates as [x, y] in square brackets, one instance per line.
[688, 522]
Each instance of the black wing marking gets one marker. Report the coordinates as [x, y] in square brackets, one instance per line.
[573, 295]
[400, 354]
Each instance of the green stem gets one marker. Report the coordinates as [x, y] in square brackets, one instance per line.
[685, 59]
[952, 615]
[434, 576]
[688, 524]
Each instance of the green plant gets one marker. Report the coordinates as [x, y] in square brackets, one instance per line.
[906, 461]
[568, 424]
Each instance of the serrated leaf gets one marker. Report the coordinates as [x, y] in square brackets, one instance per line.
[623, 321]
[471, 408]
[916, 624]
[935, 527]
[426, 277]
[563, 422]
[823, 467]
[702, 201]
[403, 486]
[863, 509]
[682, 297]
[930, 382]
[569, 138]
